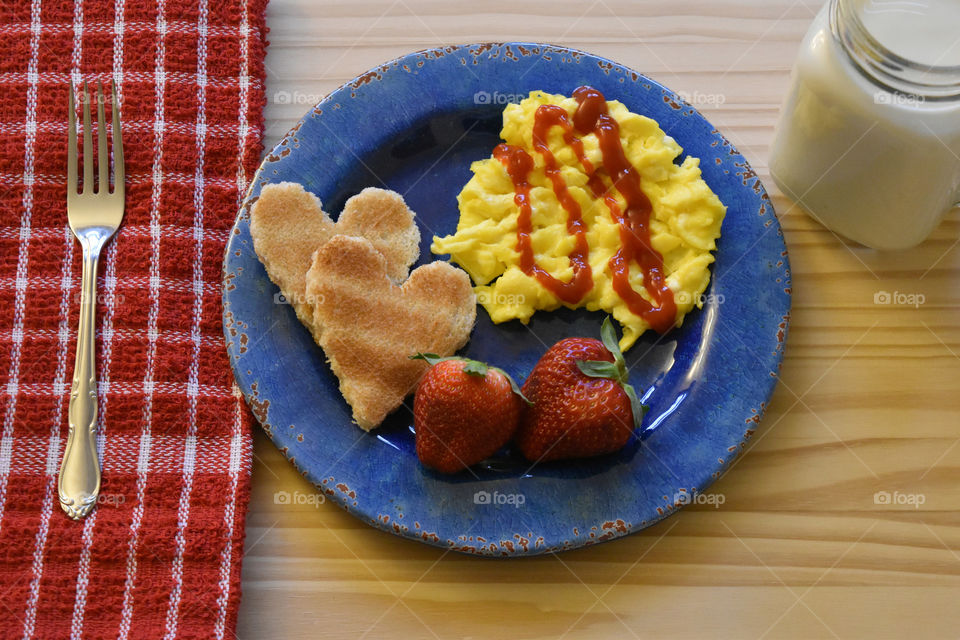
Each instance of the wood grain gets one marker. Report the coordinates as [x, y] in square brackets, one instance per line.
[868, 399]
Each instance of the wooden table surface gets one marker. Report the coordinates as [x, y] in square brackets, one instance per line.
[868, 399]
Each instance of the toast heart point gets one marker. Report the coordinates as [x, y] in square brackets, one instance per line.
[371, 325]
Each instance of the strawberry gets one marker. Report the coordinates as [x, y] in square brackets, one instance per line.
[582, 403]
[463, 412]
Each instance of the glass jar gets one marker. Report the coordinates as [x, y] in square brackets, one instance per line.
[868, 140]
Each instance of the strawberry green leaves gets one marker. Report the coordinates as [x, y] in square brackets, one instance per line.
[616, 370]
[473, 368]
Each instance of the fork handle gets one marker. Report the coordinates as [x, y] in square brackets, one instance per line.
[79, 482]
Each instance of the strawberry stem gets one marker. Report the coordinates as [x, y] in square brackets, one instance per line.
[616, 370]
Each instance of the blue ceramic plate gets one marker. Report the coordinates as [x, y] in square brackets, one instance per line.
[414, 125]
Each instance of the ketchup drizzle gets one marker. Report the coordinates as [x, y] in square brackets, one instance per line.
[592, 116]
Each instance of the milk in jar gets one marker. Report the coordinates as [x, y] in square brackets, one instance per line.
[868, 141]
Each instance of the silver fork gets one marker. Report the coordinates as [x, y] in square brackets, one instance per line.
[94, 217]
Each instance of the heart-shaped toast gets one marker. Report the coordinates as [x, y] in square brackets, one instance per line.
[371, 326]
[288, 225]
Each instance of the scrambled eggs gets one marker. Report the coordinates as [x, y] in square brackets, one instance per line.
[684, 222]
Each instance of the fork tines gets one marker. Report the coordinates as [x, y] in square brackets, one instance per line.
[103, 157]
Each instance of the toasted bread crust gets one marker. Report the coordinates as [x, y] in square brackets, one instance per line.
[371, 326]
[288, 225]
[384, 218]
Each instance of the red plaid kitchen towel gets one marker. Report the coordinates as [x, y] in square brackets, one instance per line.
[160, 555]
